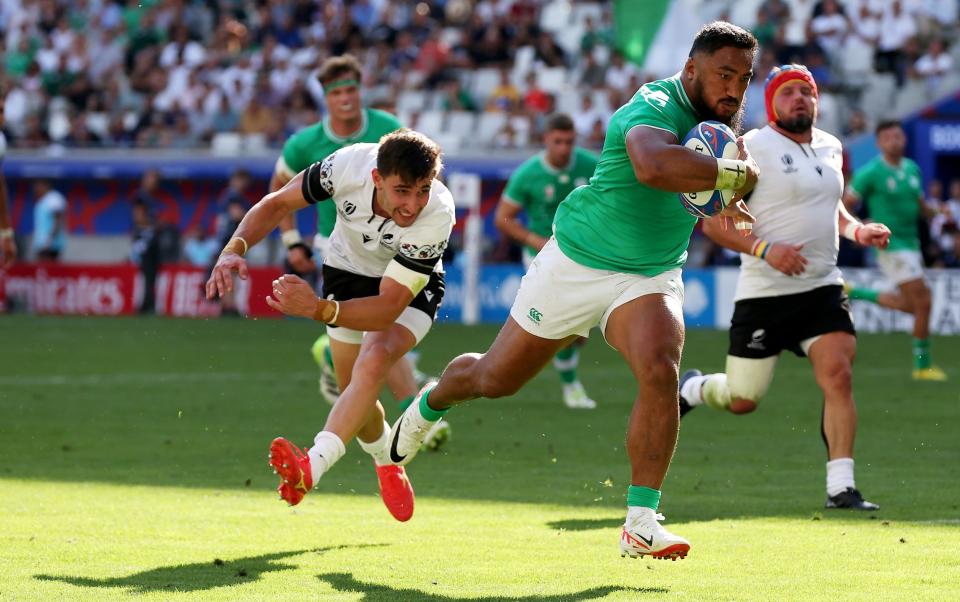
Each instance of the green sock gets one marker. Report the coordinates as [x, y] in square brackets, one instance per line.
[864, 294]
[405, 403]
[565, 361]
[921, 354]
[429, 413]
[637, 495]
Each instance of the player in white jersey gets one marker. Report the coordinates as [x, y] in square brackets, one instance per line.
[790, 291]
[382, 285]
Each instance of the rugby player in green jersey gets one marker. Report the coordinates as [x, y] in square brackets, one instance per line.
[536, 189]
[614, 262]
[892, 188]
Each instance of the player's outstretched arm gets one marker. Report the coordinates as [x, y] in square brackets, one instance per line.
[295, 297]
[255, 225]
[659, 162]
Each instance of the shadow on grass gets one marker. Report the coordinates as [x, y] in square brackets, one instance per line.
[199, 576]
[373, 592]
[586, 524]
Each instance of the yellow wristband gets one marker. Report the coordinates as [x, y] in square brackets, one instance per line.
[731, 174]
[327, 311]
[236, 245]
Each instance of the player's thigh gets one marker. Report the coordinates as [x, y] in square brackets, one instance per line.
[648, 332]
[344, 357]
[515, 357]
[644, 322]
[832, 356]
[382, 349]
[915, 291]
[749, 378]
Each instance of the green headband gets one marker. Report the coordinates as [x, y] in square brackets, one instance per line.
[340, 83]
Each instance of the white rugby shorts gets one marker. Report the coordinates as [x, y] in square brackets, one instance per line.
[901, 266]
[558, 297]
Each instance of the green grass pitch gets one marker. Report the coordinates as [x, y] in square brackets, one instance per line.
[133, 465]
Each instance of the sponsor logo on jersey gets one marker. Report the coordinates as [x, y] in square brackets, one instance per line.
[819, 170]
[428, 295]
[787, 160]
[366, 238]
[756, 339]
[535, 315]
[349, 207]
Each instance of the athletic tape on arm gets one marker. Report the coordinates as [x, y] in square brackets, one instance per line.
[412, 279]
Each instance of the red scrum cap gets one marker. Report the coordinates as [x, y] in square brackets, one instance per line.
[781, 75]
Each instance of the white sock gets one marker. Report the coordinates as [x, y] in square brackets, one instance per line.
[379, 449]
[634, 513]
[839, 476]
[715, 392]
[691, 389]
[327, 449]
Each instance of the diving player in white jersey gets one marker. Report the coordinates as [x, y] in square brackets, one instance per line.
[382, 285]
[790, 291]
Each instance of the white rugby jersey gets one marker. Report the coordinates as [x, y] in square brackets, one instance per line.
[796, 201]
[365, 243]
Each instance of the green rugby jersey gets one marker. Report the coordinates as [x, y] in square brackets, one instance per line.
[891, 194]
[316, 142]
[615, 222]
[539, 187]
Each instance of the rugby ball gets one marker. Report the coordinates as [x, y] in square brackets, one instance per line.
[716, 140]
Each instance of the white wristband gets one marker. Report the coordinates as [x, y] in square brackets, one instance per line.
[731, 174]
[851, 230]
[290, 237]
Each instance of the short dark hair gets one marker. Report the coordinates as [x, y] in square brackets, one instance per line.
[721, 34]
[559, 121]
[886, 124]
[409, 154]
[336, 67]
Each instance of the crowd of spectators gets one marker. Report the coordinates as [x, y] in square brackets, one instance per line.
[175, 73]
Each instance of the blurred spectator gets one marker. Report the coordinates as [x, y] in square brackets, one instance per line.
[8, 244]
[49, 221]
[620, 71]
[199, 250]
[535, 101]
[829, 28]
[586, 118]
[766, 28]
[505, 97]
[455, 98]
[592, 73]
[896, 27]
[933, 65]
[856, 124]
[549, 52]
[145, 252]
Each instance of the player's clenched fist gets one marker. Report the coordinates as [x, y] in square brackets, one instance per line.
[293, 296]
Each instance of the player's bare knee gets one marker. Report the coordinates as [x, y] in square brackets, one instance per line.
[740, 405]
[377, 358]
[837, 378]
[658, 372]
